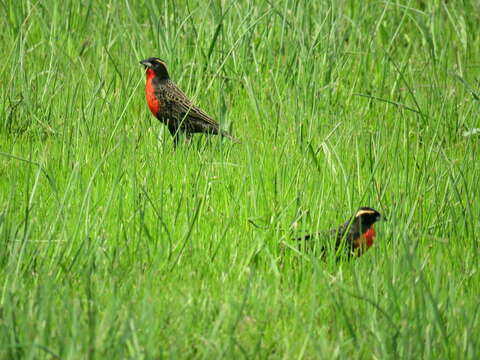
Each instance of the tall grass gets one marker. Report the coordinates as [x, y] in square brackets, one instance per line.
[116, 246]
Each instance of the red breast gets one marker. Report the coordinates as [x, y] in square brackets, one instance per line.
[369, 236]
[365, 241]
[152, 101]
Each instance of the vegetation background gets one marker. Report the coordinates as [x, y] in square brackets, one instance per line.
[115, 246]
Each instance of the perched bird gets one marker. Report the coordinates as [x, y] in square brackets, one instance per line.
[172, 107]
[352, 238]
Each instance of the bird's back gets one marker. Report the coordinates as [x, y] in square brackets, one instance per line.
[179, 106]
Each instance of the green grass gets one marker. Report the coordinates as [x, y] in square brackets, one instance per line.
[115, 246]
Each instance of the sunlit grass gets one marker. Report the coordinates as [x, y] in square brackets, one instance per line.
[116, 246]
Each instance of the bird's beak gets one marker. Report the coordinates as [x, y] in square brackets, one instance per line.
[146, 63]
[381, 217]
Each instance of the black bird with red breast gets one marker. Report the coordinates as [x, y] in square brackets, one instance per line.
[172, 107]
[353, 238]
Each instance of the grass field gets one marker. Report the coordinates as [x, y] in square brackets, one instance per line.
[115, 246]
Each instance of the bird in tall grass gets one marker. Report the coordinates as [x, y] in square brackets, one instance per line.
[172, 107]
[353, 238]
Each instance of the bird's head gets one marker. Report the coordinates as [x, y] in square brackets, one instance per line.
[158, 66]
[366, 217]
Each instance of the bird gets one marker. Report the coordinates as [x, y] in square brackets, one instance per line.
[172, 107]
[353, 238]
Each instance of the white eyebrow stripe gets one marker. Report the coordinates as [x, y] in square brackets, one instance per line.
[364, 212]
